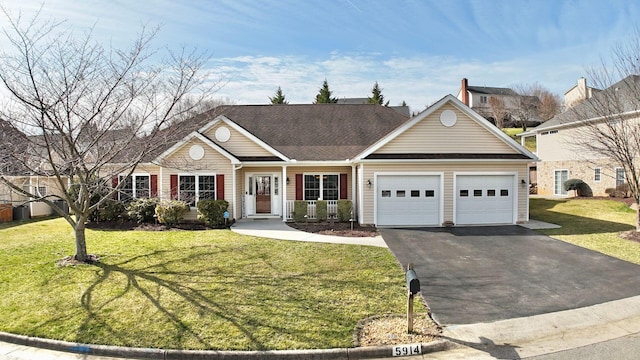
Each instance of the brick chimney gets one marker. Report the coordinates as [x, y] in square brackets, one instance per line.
[464, 92]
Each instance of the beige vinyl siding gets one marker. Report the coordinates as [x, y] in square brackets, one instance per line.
[557, 145]
[430, 136]
[212, 163]
[238, 144]
[448, 192]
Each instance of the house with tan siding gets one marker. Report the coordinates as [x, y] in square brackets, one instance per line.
[560, 147]
[445, 166]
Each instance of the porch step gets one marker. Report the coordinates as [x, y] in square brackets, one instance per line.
[263, 217]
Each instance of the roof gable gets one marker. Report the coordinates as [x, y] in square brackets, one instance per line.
[427, 135]
[240, 142]
[193, 139]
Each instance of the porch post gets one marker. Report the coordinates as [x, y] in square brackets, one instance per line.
[360, 194]
[283, 182]
[233, 190]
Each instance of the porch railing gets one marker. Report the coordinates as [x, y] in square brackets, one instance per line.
[332, 208]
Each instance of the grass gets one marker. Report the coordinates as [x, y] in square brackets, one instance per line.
[192, 289]
[590, 223]
[529, 142]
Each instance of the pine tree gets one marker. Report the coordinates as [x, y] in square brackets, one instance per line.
[279, 99]
[324, 96]
[376, 96]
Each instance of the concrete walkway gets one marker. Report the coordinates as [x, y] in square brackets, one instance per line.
[276, 229]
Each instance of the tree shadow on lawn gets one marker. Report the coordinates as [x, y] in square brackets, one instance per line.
[179, 295]
[573, 224]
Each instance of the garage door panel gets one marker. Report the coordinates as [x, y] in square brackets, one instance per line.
[484, 199]
[408, 200]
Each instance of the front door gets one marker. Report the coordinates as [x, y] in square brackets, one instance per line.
[263, 194]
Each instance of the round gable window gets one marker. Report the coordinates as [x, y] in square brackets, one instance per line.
[448, 118]
[223, 134]
[196, 152]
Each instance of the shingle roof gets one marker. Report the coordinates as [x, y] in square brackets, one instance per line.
[491, 90]
[618, 98]
[314, 131]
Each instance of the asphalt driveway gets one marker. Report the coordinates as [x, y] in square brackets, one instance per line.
[484, 274]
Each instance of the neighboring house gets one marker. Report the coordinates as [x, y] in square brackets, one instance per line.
[578, 93]
[20, 171]
[478, 98]
[446, 165]
[561, 159]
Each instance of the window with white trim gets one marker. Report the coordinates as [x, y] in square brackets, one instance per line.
[620, 177]
[194, 188]
[134, 187]
[327, 185]
[41, 191]
[560, 177]
[597, 174]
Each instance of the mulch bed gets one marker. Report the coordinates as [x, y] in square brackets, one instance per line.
[131, 225]
[336, 228]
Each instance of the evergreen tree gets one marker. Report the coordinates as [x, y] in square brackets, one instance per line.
[324, 96]
[279, 99]
[376, 96]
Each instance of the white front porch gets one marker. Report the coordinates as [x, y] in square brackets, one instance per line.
[332, 209]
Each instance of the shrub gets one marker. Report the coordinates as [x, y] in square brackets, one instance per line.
[344, 210]
[299, 211]
[321, 210]
[211, 212]
[623, 190]
[142, 210]
[572, 184]
[171, 212]
[110, 210]
[580, 187]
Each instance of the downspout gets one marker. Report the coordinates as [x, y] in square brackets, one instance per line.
[234, 190]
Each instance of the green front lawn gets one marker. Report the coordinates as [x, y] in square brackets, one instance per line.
[590, 223]
[192, 289]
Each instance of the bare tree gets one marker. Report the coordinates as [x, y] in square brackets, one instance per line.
[610, 120]
[535, 103]
[549, 104]
[498, 111]
[87, 107]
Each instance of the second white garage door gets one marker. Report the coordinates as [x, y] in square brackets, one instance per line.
[408, 200]
[485, 199]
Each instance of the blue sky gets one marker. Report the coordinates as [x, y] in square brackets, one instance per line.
[418, 51]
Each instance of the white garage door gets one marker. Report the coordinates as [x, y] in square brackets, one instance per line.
[408, 200]
[485, 199]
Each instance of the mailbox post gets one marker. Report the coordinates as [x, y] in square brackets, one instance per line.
[413, 287]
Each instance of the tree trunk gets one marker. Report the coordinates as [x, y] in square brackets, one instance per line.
[81, 241]
[638, 215]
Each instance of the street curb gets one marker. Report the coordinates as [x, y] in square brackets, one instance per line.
[149, 353]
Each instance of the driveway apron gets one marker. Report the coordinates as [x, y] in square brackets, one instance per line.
[484, 274]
